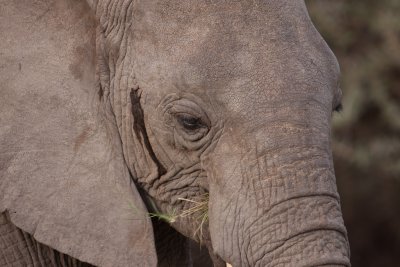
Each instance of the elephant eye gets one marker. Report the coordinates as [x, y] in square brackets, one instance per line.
[185, 117]
[337, 101]
[190, 122]
[338, 108]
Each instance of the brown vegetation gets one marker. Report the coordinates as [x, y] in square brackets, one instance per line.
[365, 36]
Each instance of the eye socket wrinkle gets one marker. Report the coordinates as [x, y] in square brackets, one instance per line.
[187, 118]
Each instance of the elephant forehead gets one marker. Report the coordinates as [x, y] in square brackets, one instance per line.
[219, 38]
[238, 52]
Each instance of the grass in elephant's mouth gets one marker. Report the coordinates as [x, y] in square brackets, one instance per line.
[169, 218]
[197, 208]
[200, 208]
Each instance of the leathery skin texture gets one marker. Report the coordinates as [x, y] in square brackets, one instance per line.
[18, 248]
[213, 116]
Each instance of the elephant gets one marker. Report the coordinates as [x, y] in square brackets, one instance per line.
[167, 133]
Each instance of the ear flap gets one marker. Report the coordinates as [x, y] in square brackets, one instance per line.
[63, 177]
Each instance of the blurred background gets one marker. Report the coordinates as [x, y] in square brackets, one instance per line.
[365, 36]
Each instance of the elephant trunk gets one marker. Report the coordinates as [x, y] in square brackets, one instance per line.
[276, 206]
[304, 231]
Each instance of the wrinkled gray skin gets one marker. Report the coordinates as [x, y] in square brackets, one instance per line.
[185, 98]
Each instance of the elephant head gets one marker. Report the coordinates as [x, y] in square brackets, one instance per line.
[212, 114]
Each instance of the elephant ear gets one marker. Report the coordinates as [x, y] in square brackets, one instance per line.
[63, 177]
